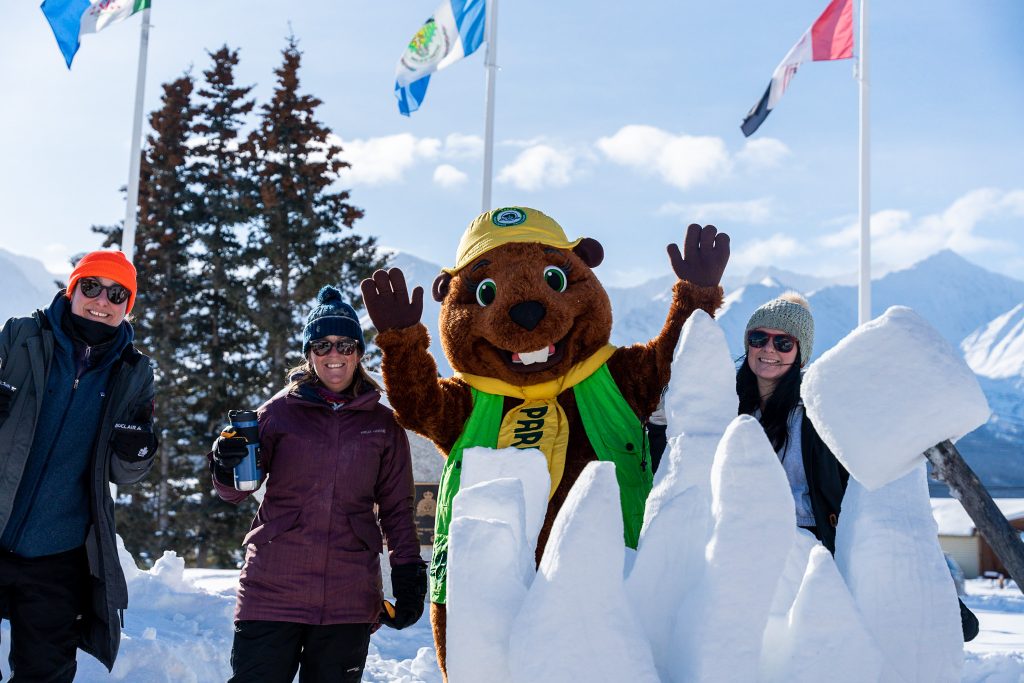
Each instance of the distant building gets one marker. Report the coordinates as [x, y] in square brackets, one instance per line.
[960, 539]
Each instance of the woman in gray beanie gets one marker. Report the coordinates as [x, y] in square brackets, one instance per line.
[778, 342]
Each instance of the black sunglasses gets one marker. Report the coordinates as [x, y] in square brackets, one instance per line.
[116, 294]
[783, 343]
[322, 347]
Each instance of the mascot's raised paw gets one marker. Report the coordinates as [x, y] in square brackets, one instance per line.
[705, 254]
[387, 300]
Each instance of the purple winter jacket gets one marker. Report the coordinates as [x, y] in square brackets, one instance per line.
[313, 553]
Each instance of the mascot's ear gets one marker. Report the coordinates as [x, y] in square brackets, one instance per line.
[441, 286]
[591, 251]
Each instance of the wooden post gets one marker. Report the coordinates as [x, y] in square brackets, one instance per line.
[990, 522]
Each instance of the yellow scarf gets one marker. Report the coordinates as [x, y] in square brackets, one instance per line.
[539, 422]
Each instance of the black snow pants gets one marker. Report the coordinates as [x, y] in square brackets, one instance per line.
[271, 652]
[44, 599]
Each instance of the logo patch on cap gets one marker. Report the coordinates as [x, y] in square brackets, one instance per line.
[506, 218]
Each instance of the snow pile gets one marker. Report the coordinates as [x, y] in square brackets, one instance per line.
[723, 585]
[889, 391]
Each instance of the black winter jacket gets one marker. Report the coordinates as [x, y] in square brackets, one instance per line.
[826, 480]
[26, 353]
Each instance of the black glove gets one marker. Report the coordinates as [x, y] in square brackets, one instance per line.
[133, 442]
[6, 399]
[228, 451]
[409, 584]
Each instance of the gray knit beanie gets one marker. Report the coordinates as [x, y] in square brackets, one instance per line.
[790, 313]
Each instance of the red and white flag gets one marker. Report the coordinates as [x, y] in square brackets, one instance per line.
[829, 37]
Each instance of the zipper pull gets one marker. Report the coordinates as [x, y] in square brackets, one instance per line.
[75, 385]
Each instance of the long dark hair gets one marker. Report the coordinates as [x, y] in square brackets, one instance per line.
[775, 416]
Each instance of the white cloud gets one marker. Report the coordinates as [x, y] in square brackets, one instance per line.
[718, 213]
[762, 153]
[459, 146]
[900, 239]
[448, 177]
[680, 160]
[376, 161]
[538, 167]
[767, 252]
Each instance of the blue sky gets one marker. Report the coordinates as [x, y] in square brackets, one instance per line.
[621, 120]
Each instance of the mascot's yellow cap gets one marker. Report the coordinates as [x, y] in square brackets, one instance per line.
[507, 226]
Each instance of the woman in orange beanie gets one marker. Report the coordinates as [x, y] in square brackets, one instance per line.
[76, 408]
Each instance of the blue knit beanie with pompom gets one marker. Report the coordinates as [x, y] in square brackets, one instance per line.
[330, 316]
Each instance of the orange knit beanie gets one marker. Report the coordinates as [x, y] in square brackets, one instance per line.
[109, 264]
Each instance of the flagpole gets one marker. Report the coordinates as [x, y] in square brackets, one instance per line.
[864, 285]
[135, 161]
[490, 63]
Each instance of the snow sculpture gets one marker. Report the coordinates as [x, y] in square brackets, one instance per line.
[887, 392]
[723, 585]
[887, 550]
[486, 545]
[576, 623]
[496, 517]
[719, 638]
[823, 638]
[677, 522]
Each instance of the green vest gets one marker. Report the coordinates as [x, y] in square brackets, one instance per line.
[614, 432]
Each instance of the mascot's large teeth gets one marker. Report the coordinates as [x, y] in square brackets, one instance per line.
[531, 357]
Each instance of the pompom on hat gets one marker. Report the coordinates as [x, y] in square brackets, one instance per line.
[330, 316]
[113, 265]
[790, 313]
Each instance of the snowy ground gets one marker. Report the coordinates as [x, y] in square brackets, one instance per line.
[178, 630]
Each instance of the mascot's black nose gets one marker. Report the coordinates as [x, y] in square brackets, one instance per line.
[527, 314]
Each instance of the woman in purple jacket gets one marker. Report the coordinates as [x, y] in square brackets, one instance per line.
[310, 591]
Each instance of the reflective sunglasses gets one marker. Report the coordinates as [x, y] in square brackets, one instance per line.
[322, 347]
[116, 294]
[783, 343]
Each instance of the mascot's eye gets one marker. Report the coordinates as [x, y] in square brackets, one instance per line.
[485, 292]
[556, 279]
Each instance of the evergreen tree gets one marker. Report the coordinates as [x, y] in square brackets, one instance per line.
[162, 310]
[224, 336]
[299, 240]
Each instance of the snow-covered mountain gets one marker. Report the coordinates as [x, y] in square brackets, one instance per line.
[965, 302]
[25, 283]
[980, 311]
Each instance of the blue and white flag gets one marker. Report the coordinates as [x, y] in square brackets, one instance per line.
[455, 31]
[72, 19]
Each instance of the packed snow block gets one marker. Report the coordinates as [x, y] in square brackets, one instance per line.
[668, 564]
[826, 639]
[501, 500]
[528, 465]
[776, 631]
[719, 632]
[701, 396]
[887, 392]
[486, 586]
[888, 552]
[576, 623]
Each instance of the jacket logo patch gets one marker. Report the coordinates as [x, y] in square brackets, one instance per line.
[379, 430]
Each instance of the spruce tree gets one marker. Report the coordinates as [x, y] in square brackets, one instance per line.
[299, 239]
[224, 335]
[155, 516]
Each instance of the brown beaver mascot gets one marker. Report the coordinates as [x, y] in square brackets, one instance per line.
[526, 326]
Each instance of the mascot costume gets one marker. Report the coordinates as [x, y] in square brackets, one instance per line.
[526, 325]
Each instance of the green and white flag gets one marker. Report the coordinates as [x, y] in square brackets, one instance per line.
[72, 19]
